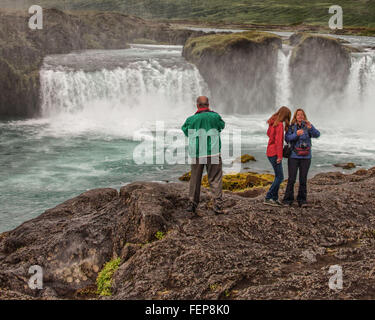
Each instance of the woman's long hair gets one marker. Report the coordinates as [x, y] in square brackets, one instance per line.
[294, 120]
[282, 115]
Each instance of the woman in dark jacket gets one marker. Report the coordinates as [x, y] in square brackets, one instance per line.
[299, 136]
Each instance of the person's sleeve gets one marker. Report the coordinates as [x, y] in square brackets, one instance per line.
[291, 135]
[185, 128]
[315, 133]
[279, 141]
[221, 124]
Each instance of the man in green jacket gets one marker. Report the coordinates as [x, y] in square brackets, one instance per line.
[203, 130]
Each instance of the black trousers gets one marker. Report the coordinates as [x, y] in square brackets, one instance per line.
[303, 165]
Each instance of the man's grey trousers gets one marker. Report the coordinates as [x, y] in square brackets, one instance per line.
[215, 178]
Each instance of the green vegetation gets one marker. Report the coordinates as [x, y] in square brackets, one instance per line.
[239, 182]
[246, 158]
[220, 43]
[215, 286]
[243, 181]
[280, 12]
[159, 235]
[104, 279]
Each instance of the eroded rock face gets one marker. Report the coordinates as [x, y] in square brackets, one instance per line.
[251, 252]
[319, 69]
[240, 69]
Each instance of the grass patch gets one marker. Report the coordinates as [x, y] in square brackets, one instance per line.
[104, 279]
[280, 12]
[159, 235]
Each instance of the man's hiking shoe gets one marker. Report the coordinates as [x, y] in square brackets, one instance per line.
[271, 202]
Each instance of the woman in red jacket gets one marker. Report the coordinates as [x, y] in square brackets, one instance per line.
[275, 133]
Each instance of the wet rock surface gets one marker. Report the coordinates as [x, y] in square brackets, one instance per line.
[251, 252]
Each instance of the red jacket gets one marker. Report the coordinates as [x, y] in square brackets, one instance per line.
[276, 140]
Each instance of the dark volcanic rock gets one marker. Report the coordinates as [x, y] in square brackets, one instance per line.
[251, 252]
[240, 69]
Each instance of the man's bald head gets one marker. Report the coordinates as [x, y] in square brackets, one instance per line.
[202, 101]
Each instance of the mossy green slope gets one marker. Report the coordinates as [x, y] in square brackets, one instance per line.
[283, 12]
[219, 44]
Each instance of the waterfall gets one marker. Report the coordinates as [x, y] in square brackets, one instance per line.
[359, 93]
[142, 82]
[156, 83]
[283, 86]
[361, 86]
[125, 92]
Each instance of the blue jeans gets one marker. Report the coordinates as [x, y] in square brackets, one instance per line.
[273, 192]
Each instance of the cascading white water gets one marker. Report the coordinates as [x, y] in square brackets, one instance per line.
[361, 86]
[120, 99]
[359, 94]
[355, 106]
[142, 82]
[283, 86]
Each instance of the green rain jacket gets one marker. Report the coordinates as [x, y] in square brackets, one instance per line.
[203, 130]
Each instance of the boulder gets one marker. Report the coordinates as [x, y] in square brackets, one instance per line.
[246, 158]
[239, 68]
[319, 69]
[347, 166]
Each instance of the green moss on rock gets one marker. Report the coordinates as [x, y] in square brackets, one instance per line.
[159, 235]
[239, 182]
[185, 177]
[219, 44]
[346, 166]
[104, 279]
[243, 181]
[246, 158]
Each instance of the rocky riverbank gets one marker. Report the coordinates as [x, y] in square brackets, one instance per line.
[156, 251]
